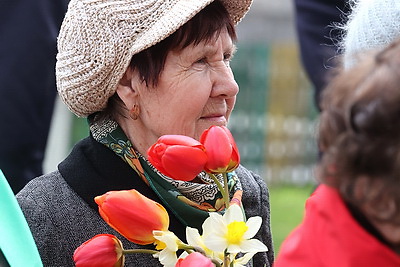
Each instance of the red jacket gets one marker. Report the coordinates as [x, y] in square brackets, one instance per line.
[330, 236]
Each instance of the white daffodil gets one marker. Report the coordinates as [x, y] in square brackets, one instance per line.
[231, 233]
[194, 239]
[168, 243]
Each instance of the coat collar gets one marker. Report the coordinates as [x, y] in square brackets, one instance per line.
[91, 169]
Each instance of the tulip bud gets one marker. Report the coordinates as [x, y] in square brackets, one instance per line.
[195, 259]
[102, 250]
[133, 215]
[177, 156]
[222, 152]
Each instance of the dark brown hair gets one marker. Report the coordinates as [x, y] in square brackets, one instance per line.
[149, 63]
[359, 134]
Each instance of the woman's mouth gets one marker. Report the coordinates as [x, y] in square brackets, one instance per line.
[216, 119]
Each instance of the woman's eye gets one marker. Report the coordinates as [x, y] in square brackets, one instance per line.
[201, 61]
[227, 57]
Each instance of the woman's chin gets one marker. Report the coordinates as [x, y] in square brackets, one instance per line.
[216, 120]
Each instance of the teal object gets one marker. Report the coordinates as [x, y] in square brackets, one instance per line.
[16, 241]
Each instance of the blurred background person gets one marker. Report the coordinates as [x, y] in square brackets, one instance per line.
[28, 33]
[353, 217]
[318, 38]
[371, 25]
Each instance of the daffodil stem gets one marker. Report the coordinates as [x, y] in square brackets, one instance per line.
[133, 251]
[226, 260]
[216, 263]
[190, 249]
[199, 249]
[222, 188]
[187, 248]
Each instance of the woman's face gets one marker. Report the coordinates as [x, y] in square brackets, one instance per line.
[196, 89]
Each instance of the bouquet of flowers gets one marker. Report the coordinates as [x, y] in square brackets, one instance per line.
[144, 221]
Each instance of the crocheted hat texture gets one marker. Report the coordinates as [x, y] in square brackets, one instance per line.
[372, 24]
[98, 38]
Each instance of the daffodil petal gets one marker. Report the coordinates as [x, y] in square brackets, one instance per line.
[254, 224]
[216, 243]
[234, 248]
[193, 237]
[233, 213]
[214, 224]
[208, 226]
[167, 258]
[252, 245]
[169, 238]
[237, 264]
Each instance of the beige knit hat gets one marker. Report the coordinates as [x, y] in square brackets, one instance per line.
[99, 37]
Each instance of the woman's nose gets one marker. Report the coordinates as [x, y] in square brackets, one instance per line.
[224, 83]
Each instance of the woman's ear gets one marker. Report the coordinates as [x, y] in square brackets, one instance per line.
[127, 88]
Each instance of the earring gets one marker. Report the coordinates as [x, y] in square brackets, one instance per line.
[134, 112]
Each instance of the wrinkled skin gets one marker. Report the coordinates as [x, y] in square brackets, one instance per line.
[196, 90]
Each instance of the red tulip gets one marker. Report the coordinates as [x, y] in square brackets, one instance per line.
[177, 156]
[101, 250]
[222, 152]
[133, 215]
[195, 259]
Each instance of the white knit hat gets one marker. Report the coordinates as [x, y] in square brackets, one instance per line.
[99, 37]
[372, 25]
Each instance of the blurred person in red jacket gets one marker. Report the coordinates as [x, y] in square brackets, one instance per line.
[353, 217]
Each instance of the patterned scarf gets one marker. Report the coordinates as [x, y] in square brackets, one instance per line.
[189, 201]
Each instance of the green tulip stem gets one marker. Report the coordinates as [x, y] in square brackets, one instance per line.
[226, 188]
[133, 251]
[222, 189]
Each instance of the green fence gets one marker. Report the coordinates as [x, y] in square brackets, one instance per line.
[275, 118]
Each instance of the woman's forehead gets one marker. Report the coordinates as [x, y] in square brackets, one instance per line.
[223, 43]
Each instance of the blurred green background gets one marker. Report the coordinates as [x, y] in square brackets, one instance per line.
[287, 209]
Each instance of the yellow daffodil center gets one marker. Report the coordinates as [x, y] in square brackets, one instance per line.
[160, 245]
[236, 231]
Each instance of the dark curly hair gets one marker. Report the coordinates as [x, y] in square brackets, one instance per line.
[359, 134]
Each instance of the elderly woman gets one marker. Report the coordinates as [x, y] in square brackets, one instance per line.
[139, 70]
